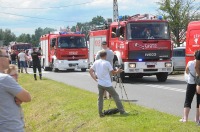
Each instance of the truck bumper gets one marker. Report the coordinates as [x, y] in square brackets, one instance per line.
[148, 67]
[66, 64]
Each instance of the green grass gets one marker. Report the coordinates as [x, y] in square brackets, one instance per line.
[57, 107]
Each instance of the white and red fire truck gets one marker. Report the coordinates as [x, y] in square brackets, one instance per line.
[141, 44]
[192, 40]
[63, 51]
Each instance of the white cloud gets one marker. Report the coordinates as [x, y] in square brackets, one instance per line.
[79, 13]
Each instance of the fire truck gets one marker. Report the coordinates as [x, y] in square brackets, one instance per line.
[141, 44]
[192, 40]
[64, 51]
[18, 46]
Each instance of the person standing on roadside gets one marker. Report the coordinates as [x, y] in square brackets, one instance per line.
[197, 68]
[100, 72]
[190, 91]
[109, 58]
[13, 57]
[22, 60]
[36, 63]
[11, 96]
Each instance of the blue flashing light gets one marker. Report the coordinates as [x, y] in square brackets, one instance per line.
[120, 17]
[63, 33]
[160, 17]
[139, 59]
[77, 32]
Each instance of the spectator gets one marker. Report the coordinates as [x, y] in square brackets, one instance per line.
[22, 60]
[11, 96]
[109, 58]
[197, 68]
[13, 57]
[190, 92]
[36, 63]
[102, 69]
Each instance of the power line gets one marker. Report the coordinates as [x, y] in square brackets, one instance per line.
[35, 17]
[42, 8]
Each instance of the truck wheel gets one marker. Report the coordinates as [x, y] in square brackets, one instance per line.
[162, 76]
[83, 69]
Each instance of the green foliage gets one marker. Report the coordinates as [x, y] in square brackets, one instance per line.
[179, 13]
[7, 36]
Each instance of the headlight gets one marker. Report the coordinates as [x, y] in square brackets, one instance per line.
[168, 64]
[132, 65]
[85, 61]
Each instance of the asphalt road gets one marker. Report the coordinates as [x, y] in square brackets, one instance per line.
[165, 97]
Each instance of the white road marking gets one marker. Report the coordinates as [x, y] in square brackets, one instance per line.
[163, 87]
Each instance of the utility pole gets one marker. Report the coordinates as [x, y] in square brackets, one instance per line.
[115, 11]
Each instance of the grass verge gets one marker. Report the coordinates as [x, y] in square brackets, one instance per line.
[57, 107]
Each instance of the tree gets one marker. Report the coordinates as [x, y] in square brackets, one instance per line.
[99, 20]
[179, 13]
[8, 36]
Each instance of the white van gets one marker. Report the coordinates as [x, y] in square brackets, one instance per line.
[178, 59]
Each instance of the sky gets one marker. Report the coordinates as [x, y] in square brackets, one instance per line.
[24, 16]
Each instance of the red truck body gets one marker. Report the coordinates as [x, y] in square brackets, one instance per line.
[138, 54]
[192, 40]
[63, 51]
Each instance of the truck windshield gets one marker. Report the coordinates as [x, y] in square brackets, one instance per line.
[21, 47]
[148, 30]
[72, 42]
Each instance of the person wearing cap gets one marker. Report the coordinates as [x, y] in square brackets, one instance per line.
[109, 58]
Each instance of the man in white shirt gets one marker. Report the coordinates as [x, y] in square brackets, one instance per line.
[102, 69]
[22, 60]
[109, 58]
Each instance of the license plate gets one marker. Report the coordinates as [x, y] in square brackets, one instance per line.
[72, 65]
[150, 63]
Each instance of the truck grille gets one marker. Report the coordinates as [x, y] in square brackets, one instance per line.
[73, 57]
[149, 55]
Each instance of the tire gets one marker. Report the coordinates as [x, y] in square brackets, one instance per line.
[162, 76]
[83, 69]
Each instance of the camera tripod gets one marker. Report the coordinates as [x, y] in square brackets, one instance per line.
[120, 84]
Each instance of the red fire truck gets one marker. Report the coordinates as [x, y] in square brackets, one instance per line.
[63, 51]
[141, 44]
[18, 46]
[192, 40]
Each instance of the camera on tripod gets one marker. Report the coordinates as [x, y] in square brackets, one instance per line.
[117, 77]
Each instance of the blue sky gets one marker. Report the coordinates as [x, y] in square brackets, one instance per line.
[64, 12]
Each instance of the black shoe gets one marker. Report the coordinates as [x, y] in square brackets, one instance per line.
[35, 79]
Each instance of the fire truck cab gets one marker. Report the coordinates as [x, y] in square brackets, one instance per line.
[192, 40]
[141, 44]
[63, 51]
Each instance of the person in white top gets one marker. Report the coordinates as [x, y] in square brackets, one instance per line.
[22, 60]
[100, 72]
[109, 58]
[190, 92]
